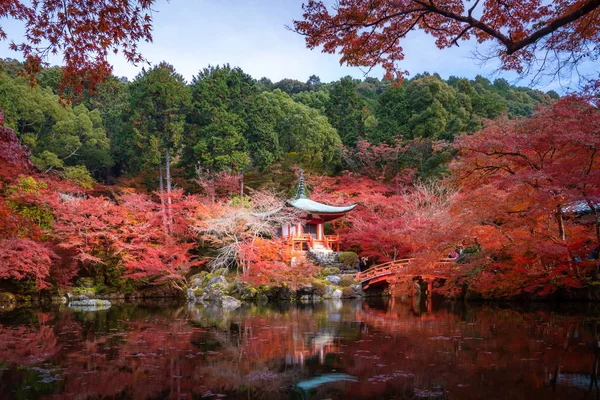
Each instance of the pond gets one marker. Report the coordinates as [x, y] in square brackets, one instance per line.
[375, 348]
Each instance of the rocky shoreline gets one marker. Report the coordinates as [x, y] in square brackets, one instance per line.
[214, 289]
[229, 292]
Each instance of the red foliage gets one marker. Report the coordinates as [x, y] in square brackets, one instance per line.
[369, 33]
[270, 262]
[14, 158]
[518, 179]
[85, 32]
[377, 161]
[220, 185]
[152, 239]
[25, 259]
[391, 219]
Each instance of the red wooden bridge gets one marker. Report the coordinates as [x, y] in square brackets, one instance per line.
[392, 270]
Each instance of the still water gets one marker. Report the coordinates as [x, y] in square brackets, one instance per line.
[384, 349]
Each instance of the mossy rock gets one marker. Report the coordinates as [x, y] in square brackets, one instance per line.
[348, 292]
[347, 280]
[319, 287]
[199, 279]
[7, 298]
[242, 291]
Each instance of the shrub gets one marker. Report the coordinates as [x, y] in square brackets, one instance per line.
[319, 288]
[80, 175]
[349, 259]
[346, 280]
[347, 292]
[330, 271]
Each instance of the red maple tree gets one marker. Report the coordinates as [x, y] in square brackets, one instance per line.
[520, 182]
[367, 33]
[84, 32]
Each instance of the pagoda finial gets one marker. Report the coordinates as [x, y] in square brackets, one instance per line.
[301, 194]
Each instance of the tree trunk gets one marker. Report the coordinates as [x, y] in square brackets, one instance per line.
[162, 199]
[160, 179]
[168, 172]
[242, 186]
[561, 223]
[168, 169]
[212, 188]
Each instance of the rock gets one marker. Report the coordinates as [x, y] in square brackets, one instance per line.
[58, 299]
[216, 281]
[219, 300]
[190, 295]
[324, 258]
[198, 279]
[244, 291]
[337, 294]
[306, 298]
[90, 305]
[328, 292]
[8, 301]
[357, 289]
[229, 303]
[262, 299]
[335, 280]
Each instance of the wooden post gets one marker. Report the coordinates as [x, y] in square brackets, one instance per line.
[430, 288]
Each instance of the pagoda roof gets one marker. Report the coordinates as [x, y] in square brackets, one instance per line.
[302, 202]
[318, 208]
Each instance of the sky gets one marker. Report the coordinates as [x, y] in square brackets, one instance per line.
[251, 34]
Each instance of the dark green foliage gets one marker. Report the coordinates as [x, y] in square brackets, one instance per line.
[155, 118]
[349, 259]
[218, 121]
[346, 110]
[59, 136]
[225, 120]
[303, 132]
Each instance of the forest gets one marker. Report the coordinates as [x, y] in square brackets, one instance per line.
[154, 180]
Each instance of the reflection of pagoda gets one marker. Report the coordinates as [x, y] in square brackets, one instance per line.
[309, 234]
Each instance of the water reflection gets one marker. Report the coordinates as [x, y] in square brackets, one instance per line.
[372, 349]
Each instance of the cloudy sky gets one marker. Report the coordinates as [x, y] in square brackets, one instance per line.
[251, 34]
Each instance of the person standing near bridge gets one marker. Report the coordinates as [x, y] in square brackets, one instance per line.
[362, 263]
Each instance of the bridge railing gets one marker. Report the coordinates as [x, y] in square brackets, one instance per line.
[390, 268]
[382, 269]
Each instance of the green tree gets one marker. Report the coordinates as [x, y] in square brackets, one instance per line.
[158, 103]
[319, 100]
[305, 132]
[346, 110]
[222, 105]
[59, 136]
[392, 116]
